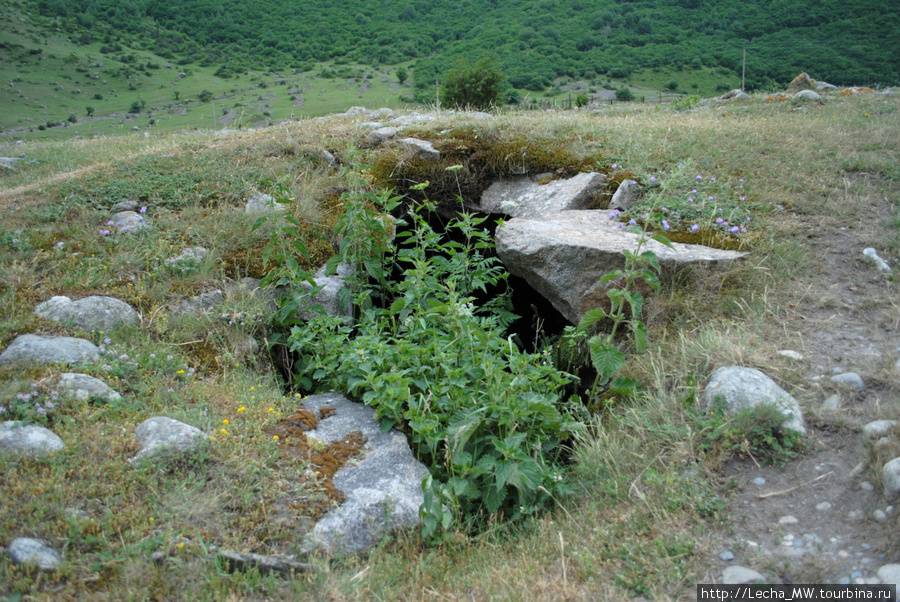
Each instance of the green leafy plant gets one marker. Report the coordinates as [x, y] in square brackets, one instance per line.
[582, 100]
[625, 307]
[484, 416]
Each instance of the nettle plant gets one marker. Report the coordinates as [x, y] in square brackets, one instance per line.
[434, 359]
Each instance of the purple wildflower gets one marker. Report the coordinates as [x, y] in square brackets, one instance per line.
[712, 179]
[719, 220]
[690, 200]
[144, 209]
[631, 222]
[735, 230]
[743, 229]
[695, 228]
[110, 223]
[743, 198]
[665, 225]
[699, 177]
[652, 179]
[614, 165]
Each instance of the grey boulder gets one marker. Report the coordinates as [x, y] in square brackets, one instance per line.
[625, 196]
[90, 313]
[418, 149]
[260, 202]
[27, 439]
[28, 551]
[128, 222]
[376, 137]
[84, 387]
[161, 437]
[383, 489]
[33, 348]
[522, 197]
[564, 255]
[890, 480]
[744, 388]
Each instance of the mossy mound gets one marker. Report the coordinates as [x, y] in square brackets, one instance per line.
[483, 158]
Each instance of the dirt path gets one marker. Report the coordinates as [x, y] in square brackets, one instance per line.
[818, 519]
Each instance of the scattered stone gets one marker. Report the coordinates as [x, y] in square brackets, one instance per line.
[352, 111]
[855, 514]
[383, 489]
[877, 429]
[376, 137]
[382, 113]
[260, 202]
[158, 558]
[101, 314]
[843, 581]
[739, 575]
[413, 117]
[241, 561]
[122, 206]
[522, 197]
[16, 437]
[807, 96]
[823, 507]
[759, 481]
[890, 479]
[625, 196]
[25, 550]
[187, 261]
[879, 516]
[480, 115]
[161, 437]
[30, 348]
[890, 573]
[329, 295]
[83, 387]
[744, 388]
[849, 379]
[867, 486]
[372, 125]
[328, 157]
[727, 556]
[832, 403]
[199, 304]
[564, 255]
[419, 149]
[880, 263]
[128, 222]
[788, 520]
[788, 353]
[801, 82]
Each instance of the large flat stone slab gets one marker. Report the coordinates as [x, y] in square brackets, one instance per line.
[564, 255]
[89, 313]
[383, 487]
[523, 197]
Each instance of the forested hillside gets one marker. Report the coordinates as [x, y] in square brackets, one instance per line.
[851, 42]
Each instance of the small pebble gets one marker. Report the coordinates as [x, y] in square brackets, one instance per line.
[855, 514]
[788, 520]
[789, 353]
[843, 554]
[867, 486]
[759, 481]
[879, 516]
[752, 545]
[864, 546]
[726, 556]
[849, 379]
[832, 403]
[855, 574]
[823, 506]
[844, 581]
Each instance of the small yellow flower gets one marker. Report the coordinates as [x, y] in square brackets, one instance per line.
[299, 396]
[253, 388]
[179, 545]
[275, 437]
[241, 409]
[180, 372]
[151, 520]
[271, 410]
[252, 397]
[224, 432]
[225, 422]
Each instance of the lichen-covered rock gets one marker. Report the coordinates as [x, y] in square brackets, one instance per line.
[376, 137]
[28, 551]
[128, 222]
[383, 488]
[522, 197]
[564, 255]
[17, 437]
[743, 388]
[801, 82]
[161, 437]
[84, 387]
[625, 196]
[260, 202]
[33, 348]
[419, 149]
[807, 96]
[90, 313]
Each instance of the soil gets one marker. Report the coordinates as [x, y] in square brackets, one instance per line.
[843, 318]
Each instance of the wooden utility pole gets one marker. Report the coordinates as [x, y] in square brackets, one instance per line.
[744, 68]
[437, 95]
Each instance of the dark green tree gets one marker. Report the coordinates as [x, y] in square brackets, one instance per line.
[89, 111]
[402, 75]
[205, 96]
[473, 85]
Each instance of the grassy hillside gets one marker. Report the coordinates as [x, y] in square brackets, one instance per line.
[649, 488]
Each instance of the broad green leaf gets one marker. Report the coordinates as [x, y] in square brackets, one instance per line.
[640, 336]
[650, 258]
[662, 240]
[606, 358]
[591, 317]
[611, 276]
[259, 222]
[623, 386]
[332, 264]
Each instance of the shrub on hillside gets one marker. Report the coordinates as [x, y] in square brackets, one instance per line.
[473, 85]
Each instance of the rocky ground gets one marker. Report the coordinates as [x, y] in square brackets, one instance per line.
[823, 518]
